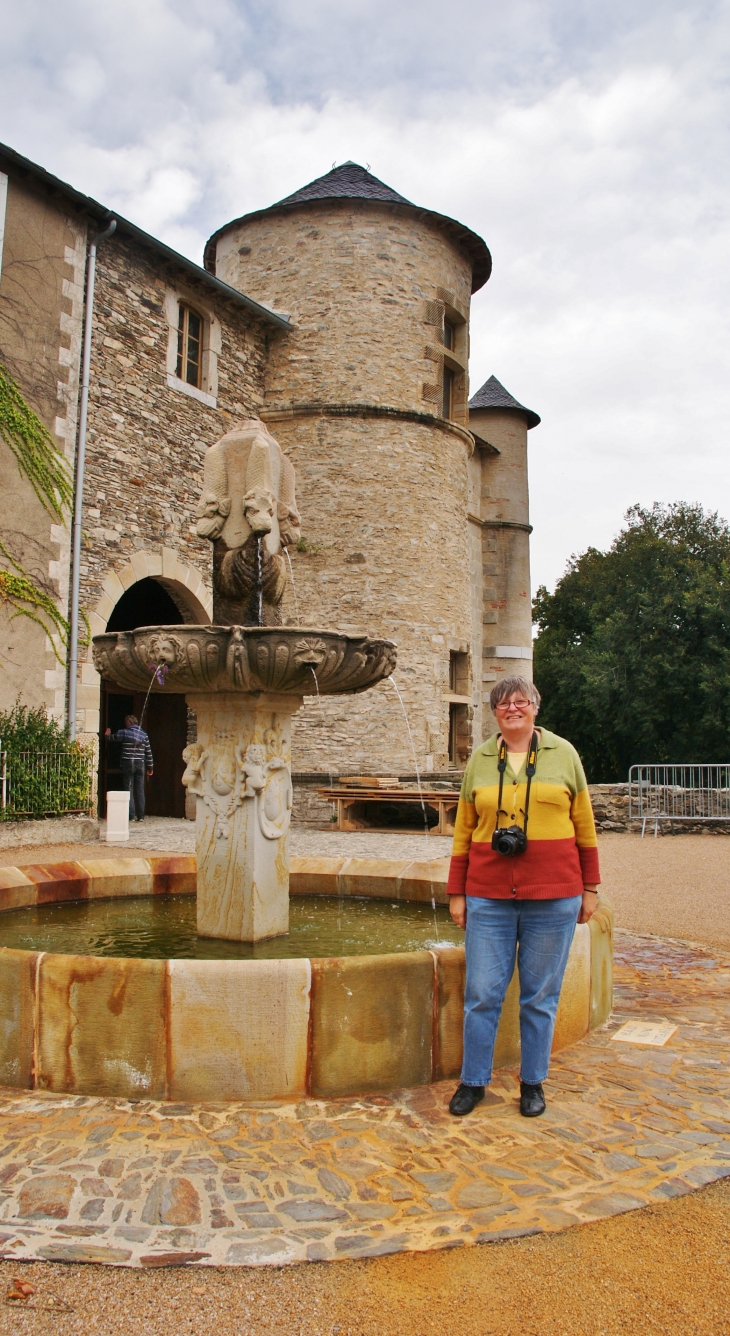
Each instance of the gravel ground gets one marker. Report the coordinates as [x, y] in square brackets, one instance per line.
[674, 886]
[665, 1269]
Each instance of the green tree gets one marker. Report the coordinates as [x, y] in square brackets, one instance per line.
[633, 652]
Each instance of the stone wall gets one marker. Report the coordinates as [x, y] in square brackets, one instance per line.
[611, 810]
[41, 294]
[147, 437]
[377, 561]
[352, 396]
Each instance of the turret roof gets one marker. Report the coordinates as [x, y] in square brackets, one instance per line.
[351, 181]
[494, 395]
[348, 181]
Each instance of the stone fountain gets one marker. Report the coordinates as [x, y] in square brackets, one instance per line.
[245, 677]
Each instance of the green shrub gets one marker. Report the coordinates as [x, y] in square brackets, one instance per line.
[47, 774]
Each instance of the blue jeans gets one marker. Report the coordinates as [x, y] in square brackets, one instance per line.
[133, 782]
[494, 928]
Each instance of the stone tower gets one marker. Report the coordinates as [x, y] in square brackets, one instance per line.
[368, 397]
[500, 425]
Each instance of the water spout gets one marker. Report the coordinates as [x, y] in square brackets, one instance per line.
[159, 673]
[259, 584]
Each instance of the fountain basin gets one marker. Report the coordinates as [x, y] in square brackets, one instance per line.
[252, 659]
[186, 1029]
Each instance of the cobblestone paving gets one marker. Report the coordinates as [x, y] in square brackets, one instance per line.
[143, 1183]
[168, 835]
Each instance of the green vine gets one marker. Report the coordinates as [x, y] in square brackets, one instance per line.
[35, 450]
[19, 592]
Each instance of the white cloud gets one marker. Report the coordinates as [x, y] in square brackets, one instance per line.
[587, 144]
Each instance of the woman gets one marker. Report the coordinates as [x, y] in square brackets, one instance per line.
[524, 870]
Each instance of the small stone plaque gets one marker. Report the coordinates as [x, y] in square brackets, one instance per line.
[655, 1033]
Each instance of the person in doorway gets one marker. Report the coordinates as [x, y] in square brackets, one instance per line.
[524, 871]
[136, 759]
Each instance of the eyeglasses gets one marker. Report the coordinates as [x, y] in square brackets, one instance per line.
[514, 705]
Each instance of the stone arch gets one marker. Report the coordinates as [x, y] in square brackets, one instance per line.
[184, 583]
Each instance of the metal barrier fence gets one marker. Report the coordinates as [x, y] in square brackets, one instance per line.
[38, 784]
[692, 793]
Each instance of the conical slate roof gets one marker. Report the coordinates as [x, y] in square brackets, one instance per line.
[351, 181]
[494, 395]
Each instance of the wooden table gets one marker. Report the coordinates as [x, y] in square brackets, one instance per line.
[355, 810]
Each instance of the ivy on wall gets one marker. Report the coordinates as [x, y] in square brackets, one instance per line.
[35, 450]
[18, 591]
[40, 460]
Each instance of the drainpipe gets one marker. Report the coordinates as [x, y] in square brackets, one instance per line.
[73, 653]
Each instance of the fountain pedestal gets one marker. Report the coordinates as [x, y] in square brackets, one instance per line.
[244, 683]
[240, 771]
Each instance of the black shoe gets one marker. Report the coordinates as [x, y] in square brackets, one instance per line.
[532, 1100]
[465, 1100]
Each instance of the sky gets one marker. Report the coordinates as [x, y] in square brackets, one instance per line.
[586, 142]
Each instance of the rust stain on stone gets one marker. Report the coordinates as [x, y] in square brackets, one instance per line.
[58, 881]
[117, 996]
[175, 874]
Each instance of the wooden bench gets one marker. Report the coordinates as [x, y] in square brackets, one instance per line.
[357, 807]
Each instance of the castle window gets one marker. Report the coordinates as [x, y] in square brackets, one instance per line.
[448, 392]
[449, 335]
[189, 346]
[458, 673]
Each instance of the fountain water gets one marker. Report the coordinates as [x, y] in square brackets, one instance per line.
[159, 673]
[293, 585]
[394, 684]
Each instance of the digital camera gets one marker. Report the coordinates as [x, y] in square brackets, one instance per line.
[510, 841]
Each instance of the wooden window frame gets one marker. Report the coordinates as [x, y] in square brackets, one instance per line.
[183, 346]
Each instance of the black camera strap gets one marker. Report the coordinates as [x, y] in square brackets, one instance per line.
[529, 771]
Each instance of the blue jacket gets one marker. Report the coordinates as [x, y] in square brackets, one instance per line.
[135, 745]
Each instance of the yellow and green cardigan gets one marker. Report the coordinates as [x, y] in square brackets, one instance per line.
[562, 851]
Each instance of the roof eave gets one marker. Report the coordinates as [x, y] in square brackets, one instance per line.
[532, 419]
[92, 207]
[460, 235]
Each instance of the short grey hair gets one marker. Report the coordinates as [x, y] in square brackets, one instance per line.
[510, 686]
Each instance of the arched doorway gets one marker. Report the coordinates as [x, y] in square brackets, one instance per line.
[146, 603]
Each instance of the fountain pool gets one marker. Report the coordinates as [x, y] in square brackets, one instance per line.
[272, 1026]
[162, 927]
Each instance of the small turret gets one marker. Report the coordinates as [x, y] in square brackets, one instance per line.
[499, 424]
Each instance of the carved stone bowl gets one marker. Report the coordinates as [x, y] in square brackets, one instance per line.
[242, 658]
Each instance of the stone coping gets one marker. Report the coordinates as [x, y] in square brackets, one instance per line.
[143, 1183]
[257, 1029]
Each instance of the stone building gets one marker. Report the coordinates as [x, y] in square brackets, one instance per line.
[340, 316]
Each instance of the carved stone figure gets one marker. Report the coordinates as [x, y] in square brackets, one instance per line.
[224, 782]
[248, 512]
